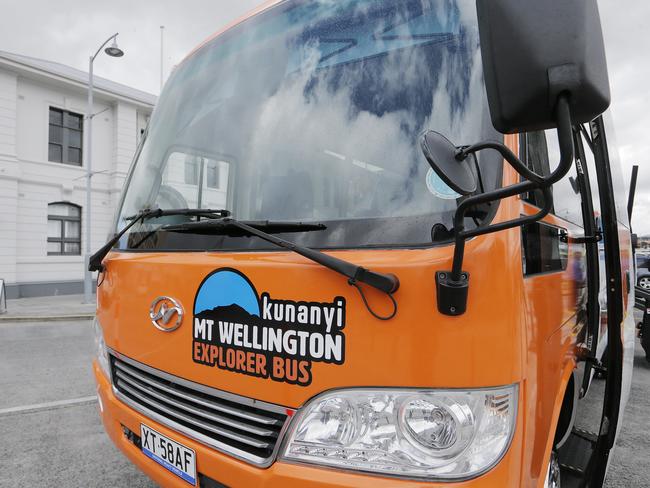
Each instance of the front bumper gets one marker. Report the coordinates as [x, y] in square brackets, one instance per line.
[234, 473]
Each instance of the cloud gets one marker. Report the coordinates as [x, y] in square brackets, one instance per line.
[69, 31]
[354, 126]
[627, 41]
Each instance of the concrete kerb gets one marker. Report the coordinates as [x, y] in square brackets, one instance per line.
[47, 309]
[6, 318]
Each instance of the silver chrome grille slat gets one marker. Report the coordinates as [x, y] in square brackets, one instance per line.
[240, 438]
[195, 399]
[193, 410]
[242, 427]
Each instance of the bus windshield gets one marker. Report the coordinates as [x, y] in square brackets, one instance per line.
[313, 112]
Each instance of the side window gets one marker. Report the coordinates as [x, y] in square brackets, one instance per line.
[191, 170]
[215, 183]
[193, 181]
[212, 175]
[536, 152]
[590, 165]
[541, 153]
[593, 180]
[543, 249]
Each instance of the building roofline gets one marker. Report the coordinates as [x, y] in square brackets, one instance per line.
[78, 78]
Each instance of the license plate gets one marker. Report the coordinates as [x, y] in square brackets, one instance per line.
[170, 454]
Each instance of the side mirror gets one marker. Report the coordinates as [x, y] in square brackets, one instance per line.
[544, 65]
[536, 50]
[447, 162]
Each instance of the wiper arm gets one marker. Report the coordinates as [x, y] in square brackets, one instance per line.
[225, 227]
[191, 212]
[95, 261]
[388, 283]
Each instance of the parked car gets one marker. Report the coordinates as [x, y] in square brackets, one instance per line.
[643, 271]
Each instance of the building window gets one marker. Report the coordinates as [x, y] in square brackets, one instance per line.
[63, 229]
[191, 170]
[66, 134]
[212, 175]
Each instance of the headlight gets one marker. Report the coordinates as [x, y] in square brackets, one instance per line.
[100, 347]
[432, 434]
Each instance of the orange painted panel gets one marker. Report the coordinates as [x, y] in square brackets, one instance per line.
[511, 333]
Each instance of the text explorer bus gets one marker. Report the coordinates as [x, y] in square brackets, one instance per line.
[358, 246]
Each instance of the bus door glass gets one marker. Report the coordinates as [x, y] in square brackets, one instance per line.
[596, 333]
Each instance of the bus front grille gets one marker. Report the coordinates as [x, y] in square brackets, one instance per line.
[240, 426]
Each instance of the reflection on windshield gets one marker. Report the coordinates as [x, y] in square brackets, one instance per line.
[313, 110]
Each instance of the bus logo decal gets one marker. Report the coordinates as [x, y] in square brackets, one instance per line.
[236, 329]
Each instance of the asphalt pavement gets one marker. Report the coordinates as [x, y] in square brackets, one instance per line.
[629, 467]
[51, 435]
[43, 443]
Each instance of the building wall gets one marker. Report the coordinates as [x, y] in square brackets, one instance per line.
[125, 142]
[29, 182]
[9, 171]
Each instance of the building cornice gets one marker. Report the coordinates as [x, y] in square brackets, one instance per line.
[27, 70]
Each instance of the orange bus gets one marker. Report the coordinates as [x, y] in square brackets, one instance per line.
[358, 246]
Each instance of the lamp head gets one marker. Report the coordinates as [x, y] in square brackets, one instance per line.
[113, 50]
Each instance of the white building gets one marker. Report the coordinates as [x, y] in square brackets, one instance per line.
[42, 179]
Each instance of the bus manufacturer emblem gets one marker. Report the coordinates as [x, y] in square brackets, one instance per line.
[162, 312]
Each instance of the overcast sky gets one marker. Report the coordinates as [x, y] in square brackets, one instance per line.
[69, 31]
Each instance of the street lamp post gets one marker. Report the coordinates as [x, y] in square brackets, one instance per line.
[115, 52]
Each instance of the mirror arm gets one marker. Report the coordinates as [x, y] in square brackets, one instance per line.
[452, 287]
[463, 234]
[507, 154]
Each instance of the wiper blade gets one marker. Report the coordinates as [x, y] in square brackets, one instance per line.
[95, 261]
[192, 212]
[225, 226]
[388, 283]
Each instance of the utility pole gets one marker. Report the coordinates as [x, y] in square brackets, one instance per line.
[114, 52]
[162, 29]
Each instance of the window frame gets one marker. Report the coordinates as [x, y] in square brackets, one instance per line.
[212, 168]
[65, 136]
[536, 197]
[192, 171]
[63, 240]
[552, 242]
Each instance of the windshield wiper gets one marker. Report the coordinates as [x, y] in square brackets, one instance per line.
[387, 283]
[95, 261]
[226, 227]
[190, 212]
[270, 227]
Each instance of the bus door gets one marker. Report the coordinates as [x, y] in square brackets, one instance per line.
[567, 294]
[594, 343]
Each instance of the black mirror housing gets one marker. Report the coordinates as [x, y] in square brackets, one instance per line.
[535, 50]
[443, 158]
